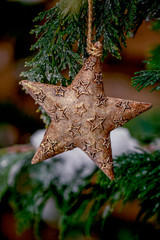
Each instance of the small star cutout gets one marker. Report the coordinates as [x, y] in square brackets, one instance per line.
[81, 109]
[101, 100]
[98, 78]
[81, 88]
[123, 105]
[119, 122]
[91, 149]
[96, 122]
[75, 130]
[40, 96]
[48, 146]
[59, 113]
[89, 64]
[59, 91]
[107, 142]
[88, 130]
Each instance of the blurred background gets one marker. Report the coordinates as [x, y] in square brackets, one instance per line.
[18, 116]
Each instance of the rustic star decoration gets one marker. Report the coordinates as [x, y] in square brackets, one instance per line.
[82, 116]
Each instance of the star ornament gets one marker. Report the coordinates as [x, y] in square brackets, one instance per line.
[82, 116]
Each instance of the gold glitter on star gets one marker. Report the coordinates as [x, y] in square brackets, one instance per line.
[80, 118]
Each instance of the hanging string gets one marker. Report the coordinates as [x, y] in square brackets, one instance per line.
[91, 49]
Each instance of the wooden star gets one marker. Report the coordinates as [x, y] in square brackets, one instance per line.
[90, 129]
[70, 147]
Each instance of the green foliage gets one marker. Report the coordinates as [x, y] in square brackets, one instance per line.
[62, 38]
[133, 170]
[83, 200]
[150, 76]
[156, 25]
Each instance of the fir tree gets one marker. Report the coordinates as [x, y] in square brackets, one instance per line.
[61, 45]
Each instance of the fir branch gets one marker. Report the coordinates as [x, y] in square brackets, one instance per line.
[133, 170]
[95, 196]
[150, 76]
[65, 25]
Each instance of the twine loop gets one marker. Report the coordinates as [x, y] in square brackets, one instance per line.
[92, 49]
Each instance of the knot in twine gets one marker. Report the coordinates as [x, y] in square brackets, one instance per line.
[95, 49]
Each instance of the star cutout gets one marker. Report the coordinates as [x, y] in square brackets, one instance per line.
[119, 122]
[90, 63]
[75, 130]
[81, 109]
[107, 142]
[87, 128]
[101, 100]
[59, 91]
[58, 113]
[48, 146]
[96, 122]
[123, 105]
[40, 96]
[98, 78]
[91, 149]
[81, 88]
